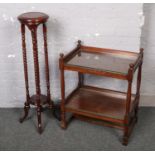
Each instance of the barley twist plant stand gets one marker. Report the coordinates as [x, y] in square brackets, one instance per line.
[32, 20]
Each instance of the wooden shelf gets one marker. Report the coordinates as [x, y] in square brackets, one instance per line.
[102, 61]
[96, 102]
[43, 99]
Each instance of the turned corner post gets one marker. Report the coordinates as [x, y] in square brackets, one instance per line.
[128, 104]
[139, 83]
[81, 79]
[80, 75]
[139, 73]
[142, 51]
[61, 66]
[79, 43]
[129, 92]
[62, 80]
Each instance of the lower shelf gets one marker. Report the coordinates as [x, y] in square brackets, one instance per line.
[43, 99]
[98, 103]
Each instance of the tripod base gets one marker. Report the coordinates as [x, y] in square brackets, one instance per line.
[33, 101]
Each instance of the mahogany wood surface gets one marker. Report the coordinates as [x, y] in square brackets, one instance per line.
[98, 61]
[98, 102]
[42, 98]
[32, 20]
[114, 108]
[103, 62]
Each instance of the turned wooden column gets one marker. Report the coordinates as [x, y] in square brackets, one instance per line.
[32, 20]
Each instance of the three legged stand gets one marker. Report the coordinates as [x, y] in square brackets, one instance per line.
[32, 20]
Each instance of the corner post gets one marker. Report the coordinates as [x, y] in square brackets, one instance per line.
[62, 80]
[139, 83]
[128, 104]
[80, 75]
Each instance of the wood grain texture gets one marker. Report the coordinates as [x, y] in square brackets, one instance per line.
[86, 102]
[32, 21]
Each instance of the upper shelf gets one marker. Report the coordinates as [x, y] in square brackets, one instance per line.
[108, 62]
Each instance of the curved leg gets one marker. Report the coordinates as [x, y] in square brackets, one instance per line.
[26, 111]
[63, 121]
[39, 120]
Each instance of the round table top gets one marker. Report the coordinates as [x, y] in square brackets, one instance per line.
[31, 18]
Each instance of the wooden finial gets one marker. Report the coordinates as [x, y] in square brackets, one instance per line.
[61, 55]
[79, 42]
[131, 65]
[141, 49]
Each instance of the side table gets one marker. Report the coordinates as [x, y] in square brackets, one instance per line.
[98, 105]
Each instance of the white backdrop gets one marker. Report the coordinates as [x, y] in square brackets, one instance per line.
[103, 25]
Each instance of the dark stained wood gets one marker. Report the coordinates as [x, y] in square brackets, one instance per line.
[61, 64]
[95, 72]
[139, 60]
[47, 66]
[128, 104]
[42, 98]
[99, 122]
[81, 79]
[27, 103]
[32, 20]
[25, 62]
[138, 85]
[101, 62]
[93, 102]
[103, 106]
[71, 54]
[90, 49]
[37, 76]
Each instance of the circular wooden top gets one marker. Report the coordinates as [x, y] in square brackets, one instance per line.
[33, 18]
